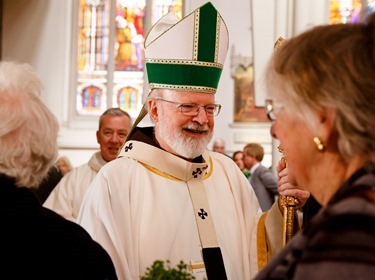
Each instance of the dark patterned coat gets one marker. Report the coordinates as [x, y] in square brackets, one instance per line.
[339, 242]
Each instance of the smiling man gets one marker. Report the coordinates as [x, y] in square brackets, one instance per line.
[67, 196]
[168, 198]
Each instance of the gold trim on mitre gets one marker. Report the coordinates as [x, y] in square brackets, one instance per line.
[185, 62]
[183, 88]
[278, 43]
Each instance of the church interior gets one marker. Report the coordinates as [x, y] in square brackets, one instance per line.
[89, 55]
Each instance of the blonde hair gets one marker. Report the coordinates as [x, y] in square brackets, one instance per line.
[28, 131]
[254, 150]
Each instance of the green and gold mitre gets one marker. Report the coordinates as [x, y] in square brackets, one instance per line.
[187, 54]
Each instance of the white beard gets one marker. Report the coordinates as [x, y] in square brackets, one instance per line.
[181, 144]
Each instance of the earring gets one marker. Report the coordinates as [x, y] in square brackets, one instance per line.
[319, 144]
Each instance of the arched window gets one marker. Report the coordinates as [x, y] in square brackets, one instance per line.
[127, 97]
[110, 66]
[90, 97]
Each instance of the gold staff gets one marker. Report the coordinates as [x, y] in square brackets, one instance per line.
[288, 203]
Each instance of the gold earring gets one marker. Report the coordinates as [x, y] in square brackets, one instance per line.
[319, 144]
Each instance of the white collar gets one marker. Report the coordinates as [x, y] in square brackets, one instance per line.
[255, 166]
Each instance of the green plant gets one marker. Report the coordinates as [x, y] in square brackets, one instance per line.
[159, 272]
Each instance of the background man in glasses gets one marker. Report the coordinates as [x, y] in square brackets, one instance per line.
[167, 197]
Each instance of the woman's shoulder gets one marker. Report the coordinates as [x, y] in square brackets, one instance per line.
[343, 231]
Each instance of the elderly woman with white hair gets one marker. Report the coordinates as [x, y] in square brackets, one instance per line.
[37, 241]
[322, 89]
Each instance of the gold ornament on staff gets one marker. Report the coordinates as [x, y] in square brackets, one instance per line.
[278, 43]
[288, 204]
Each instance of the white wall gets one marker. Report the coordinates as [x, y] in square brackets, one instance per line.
[39, 31]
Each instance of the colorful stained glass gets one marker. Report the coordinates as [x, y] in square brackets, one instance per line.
[345, 11]
[93, 32]
[97, 82]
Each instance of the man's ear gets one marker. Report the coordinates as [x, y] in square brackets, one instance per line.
[153, 110]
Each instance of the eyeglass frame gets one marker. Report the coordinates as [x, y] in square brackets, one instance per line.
[271, 111]
[217, 107]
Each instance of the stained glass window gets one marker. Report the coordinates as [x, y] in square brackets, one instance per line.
[110, 52]
[344, 11]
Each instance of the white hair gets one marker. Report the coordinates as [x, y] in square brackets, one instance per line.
[28, 131]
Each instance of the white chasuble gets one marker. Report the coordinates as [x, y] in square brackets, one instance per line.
[139, 209]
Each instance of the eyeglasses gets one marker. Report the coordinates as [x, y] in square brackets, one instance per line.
[271, 110]
[192, 109]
